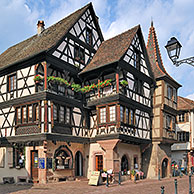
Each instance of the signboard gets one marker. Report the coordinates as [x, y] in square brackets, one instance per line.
[49, 163]
[94, 178]
[41, 163]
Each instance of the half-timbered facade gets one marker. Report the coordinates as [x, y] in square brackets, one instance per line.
[72, 103]
[120, 113]
[182, 151]
[164, 114]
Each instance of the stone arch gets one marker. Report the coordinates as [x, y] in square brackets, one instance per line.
[64, 152]
[78, 163]
[165, 167]
[124, 163]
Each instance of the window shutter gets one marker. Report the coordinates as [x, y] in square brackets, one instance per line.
[10, 157]
[2, 157]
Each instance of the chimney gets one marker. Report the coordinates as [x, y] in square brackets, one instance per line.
[40, 27]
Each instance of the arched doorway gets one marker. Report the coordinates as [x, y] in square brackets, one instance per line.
[164, 167]
[124, 163]
[78, 164]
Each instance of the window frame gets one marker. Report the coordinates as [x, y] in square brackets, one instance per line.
[77, 54]
[89, 40]
[11, 82]
[102, 117]
[112, 113]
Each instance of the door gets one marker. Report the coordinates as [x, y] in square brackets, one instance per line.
[164, 167]
[78, 164]
[99, 162]
[34, 165]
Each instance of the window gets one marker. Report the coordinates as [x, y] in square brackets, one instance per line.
[24, 119]
[175, 94]
[20, 157]
[122, 113]
[11, 82]
[112, 113]
[169, 92]
[62, 114]
[89, 36]
[132, 117]
[137, 59]
[27, 114]
[55, 112]
[183, 117]
[168, 122]
[183, 136]
[127, 115]
[18, 115]
[138, 86]
[30, 113]
[68, 114]
[79, 54]
[35, 112]
[103, 115]
[99, 162]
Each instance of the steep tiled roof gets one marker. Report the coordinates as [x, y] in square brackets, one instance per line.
[185, 103]
[36, 44]
[111, 50]
[155, 55]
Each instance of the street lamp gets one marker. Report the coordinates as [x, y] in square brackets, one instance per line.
[173, 48]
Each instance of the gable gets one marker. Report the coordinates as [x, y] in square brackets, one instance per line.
[83, 25]
[83, 38]
[135, 54]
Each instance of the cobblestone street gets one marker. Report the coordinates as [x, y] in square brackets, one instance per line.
[141, 187]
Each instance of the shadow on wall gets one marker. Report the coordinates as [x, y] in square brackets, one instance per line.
[146, 151]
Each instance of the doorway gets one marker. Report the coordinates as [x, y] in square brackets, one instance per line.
[78, 164]
[34, 165]
[164, 167]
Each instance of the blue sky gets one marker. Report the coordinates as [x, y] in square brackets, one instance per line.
[171, 18]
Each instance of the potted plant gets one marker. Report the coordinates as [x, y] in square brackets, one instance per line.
[124, 83]
[38, 79]
[133, 175]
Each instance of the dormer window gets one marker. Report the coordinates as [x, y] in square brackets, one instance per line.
[79, 54]
[89, 36]
[11, 82]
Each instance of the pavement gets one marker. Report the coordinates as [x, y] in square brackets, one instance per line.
[145, 186]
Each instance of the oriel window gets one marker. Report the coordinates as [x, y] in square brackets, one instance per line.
[11, 82]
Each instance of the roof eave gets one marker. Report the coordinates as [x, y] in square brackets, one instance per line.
[43, 52]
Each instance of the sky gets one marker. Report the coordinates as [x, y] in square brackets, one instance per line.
[18, 19]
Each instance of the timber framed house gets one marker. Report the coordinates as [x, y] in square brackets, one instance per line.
[72, 103]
